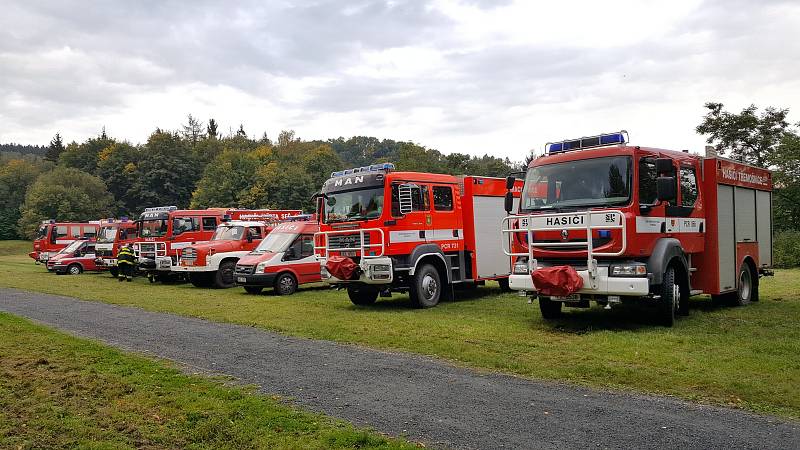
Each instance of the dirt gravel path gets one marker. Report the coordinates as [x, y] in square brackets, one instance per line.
[425, 399]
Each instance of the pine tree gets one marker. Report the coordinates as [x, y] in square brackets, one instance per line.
[211, 129]
[55, 149]
[240, 131]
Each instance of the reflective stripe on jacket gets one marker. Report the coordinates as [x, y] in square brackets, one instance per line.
[125, 256]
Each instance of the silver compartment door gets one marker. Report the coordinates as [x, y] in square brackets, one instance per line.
[727, 239]
[764, 227]
[491, 260]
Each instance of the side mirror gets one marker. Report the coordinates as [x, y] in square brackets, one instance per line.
[509, 202]
[665, 166]
[290, 253]
[405, 195]
[249, 238]
[665, 189]
[510, 181]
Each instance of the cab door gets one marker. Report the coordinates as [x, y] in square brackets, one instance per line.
[411, 215]
[444, 219]
[300, 256]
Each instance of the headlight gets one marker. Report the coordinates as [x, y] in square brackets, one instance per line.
[628, 270]
[261, 266]
[380, 268]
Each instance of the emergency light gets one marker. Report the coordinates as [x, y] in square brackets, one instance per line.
[161, 208]
[600, 140]
[385, 167]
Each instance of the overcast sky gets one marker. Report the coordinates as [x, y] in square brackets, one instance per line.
[473, 76]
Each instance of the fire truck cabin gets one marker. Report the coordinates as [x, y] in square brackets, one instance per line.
[641, 224]
[410, 232]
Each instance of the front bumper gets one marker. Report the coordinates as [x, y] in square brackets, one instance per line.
[160, 263]
[187, 269]
[58, 268]
[375, 271]
[106, 262]
[606, 285]
[256, 279]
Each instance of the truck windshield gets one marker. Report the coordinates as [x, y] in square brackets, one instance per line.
[154, 228]
[354, 205]
[228, 233]
[575, 184]
[106, 235]
[41, 233]
[275, 242]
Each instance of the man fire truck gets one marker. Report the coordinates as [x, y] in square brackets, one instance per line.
[283, 260]
[603, 221]
[112, 236]
[52, 237]
[212, 263]
[421, 233]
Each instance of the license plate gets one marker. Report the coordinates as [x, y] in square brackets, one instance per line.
[241, 280]
[349, 254]
[568, 298]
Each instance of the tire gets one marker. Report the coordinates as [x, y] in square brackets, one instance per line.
[549, 308]
[426, 287]
[223, 277]
[254, 290]
[746, 287]
[201, 279]
[362, 295]
[503, 282]
[670, 299]
[285, 284]
[74, 269]
[114, 272]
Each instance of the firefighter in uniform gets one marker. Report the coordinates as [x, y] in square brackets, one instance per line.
[126, 261]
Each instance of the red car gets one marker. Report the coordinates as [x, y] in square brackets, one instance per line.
[283, 260]
[74, 259]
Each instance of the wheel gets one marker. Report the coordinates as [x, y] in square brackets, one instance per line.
[285, 284]
[747, 289]
[201, 279]
[549, 308]
[426, 287]
[114, 272]
[503, 282]
[255, 290]
[223, 277]
[669, 302]
[74, 269]
[362, 295]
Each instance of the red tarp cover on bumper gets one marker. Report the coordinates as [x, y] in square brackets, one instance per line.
[341, 267]
[558, 280]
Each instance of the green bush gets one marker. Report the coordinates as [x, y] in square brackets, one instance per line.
[787, 249]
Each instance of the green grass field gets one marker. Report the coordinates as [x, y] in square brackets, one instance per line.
[743, 357]
[57, 391]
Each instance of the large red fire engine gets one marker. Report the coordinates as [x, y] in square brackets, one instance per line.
[52, 237]
[113, 234]
[640, 224]
[212, 263]
[408, 231]
[283, 260]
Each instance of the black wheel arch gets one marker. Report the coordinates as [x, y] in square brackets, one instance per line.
[668, 252]
[430, 254]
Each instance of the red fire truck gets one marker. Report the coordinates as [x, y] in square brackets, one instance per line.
[112, 236]
[165, 230]
[53, 236]
[641, 225]
[412, 232]
[283, 260]
[212, 263]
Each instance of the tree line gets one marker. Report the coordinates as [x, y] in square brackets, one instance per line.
[195, 167]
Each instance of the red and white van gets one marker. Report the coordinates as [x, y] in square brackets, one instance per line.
[112, 236]
[53, 236]
[74, 259]
[283, 260]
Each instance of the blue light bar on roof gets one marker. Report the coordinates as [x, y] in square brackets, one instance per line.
[600, 140]
[384, 167]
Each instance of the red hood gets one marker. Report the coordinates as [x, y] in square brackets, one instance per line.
[218, 246]
[251, 259]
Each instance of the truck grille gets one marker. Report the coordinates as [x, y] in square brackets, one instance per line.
[189, 254]
[244, 270]
[147, 247]
[337, 241]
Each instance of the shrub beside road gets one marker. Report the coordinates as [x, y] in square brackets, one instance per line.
[743, 357]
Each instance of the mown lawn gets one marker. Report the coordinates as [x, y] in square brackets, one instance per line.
[743, 357]
[57, 391]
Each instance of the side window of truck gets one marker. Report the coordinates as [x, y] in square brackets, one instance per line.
[209, 223]
[89, 232]
[647, 181]
[60, 232]
[184, 224]
[688, 186]
[419, 199]
[442, 198]
[75, 231]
